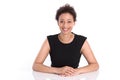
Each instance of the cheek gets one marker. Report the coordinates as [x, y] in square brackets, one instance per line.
[60, 25]
[71, 26]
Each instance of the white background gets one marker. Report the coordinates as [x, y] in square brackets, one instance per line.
[24, 25]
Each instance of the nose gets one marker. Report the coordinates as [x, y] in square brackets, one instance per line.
[65, 25]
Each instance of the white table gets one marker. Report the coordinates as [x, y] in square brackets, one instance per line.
[47, 76]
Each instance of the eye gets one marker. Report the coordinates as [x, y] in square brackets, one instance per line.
[61, 21]
[69, 21]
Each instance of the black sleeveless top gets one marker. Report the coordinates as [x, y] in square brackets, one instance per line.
[62, 54]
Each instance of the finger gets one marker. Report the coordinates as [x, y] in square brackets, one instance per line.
[69, 73]
[72, 70]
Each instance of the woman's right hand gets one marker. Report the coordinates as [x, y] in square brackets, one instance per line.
[66, 71]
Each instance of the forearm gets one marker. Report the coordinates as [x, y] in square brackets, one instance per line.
[44, 68]
[88, 68]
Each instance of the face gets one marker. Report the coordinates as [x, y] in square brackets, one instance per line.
[66, 23]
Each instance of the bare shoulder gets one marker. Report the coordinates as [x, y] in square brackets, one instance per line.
[88, 53]
[45, 47]
[43, 52]
[85, 46]
[46, 43]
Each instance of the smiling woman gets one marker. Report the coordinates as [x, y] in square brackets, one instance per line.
[65, 48]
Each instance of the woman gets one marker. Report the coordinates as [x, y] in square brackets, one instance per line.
[65, 48]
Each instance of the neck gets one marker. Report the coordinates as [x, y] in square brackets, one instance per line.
[66, 38]
[65, 35]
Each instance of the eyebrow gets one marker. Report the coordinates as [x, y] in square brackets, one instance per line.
[67, 19]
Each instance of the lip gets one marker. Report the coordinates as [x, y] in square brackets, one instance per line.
[65, 30]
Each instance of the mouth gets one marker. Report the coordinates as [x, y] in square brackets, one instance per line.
[65, 29]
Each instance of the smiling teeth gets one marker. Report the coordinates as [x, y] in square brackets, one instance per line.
[65, 29]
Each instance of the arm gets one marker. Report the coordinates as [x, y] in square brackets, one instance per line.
[92, 62]
[40, 67]
[38, 63]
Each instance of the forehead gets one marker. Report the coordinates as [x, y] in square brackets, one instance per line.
[66, 16]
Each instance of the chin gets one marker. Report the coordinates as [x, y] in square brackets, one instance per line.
[65, 33]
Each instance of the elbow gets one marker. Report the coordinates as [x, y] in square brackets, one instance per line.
[96, 66]
[34, 67]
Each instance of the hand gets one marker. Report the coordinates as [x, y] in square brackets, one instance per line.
[66, 71]
[76, 72]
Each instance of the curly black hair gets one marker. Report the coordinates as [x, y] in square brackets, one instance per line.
[66, 9]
